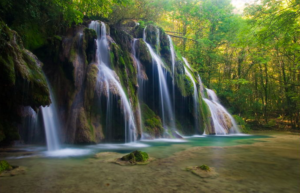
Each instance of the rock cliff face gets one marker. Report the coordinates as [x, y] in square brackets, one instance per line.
[71, 66]
[22, 83]
[91, 107]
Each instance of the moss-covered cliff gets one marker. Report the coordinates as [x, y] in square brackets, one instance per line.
[22, 82]
[89, 105]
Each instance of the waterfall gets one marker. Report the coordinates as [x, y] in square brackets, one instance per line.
[29, 129]
[51, 123]
[173, 68]
[195, 96]
[165, 102]
[107, 79]
[220, 115]
[212, 95]
[201, 86]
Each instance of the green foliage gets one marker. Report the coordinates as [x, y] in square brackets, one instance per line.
[252, 61]
[271, 123]
[188, 84]
[244, 128]
[146, 10]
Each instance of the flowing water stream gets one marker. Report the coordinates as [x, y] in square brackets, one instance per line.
[51, 123]
[108, 79]
[195, 95]
[220, 116]
[167, 112]
[173, 55]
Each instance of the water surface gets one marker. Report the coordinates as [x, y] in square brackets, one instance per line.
[256, 163]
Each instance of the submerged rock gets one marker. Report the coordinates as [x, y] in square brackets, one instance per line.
[203, 171]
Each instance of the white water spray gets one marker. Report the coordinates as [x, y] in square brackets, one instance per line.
[51, 124]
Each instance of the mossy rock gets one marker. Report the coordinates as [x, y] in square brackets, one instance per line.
[22, 82]
[152, 123]
[4, 165]
[134, 158]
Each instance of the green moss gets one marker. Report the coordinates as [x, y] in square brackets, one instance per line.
[123, 66]
[90, 33]
[136, 156]
[152, 123]
[4, 165]
[204, 167]
[8, 70]
[31, 35]
[205, 116]
[122, 62]
[112, 59]
[57, 37]
[188, 85]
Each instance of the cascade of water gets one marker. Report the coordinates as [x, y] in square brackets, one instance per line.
[107, 79]
[201, 86]
[173, 67]
[220, 115]
[212, 95]
[51, 123]
[186, 63]
[217, 118]
[29, 129]
[195, 96]
[165, 102]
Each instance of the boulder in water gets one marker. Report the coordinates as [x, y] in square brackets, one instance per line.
[134, 158]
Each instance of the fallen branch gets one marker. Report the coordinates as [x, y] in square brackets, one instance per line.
[182, 37]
